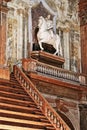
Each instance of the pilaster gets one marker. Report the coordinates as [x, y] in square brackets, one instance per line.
[4, 70]
[83, 29]
[66, 50]
[20, 34]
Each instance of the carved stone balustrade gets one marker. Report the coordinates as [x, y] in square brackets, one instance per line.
[32, 65]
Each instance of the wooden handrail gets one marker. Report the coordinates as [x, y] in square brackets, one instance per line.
[41, 102]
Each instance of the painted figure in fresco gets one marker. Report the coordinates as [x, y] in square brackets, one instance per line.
[46, 35]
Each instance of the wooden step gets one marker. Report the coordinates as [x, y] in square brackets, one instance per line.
[17, 115]
[9, 127]
[25, 123]
[42, 117]
[10, 83]
[17, 102]
[11, 89]
[15, 96]
[16, 108]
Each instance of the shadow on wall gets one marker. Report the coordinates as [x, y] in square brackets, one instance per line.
[47, 47]
[68, 122]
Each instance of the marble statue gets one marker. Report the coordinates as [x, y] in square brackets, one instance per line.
[46, 35]
[49, 25]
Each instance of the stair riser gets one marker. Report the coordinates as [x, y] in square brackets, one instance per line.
[29, 104]
[9, 127]
[12, 90]
[14, 84]
[20, 109]
[15, 116]
[15, 96]
[21, 125]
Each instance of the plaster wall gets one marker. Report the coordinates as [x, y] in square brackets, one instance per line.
[21, 27]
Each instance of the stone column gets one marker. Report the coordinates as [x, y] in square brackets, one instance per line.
[25, 34]
[25, 42]
[66, 49]
[20, 35]
[83, 30]
[30, 28]
[4, 70]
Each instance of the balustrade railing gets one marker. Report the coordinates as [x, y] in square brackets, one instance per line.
[56, 72]
[36, 66]
[41, 102]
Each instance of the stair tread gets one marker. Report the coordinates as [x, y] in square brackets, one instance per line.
[9, 94]
[16, 106]
[24, 117]
[10, 83]
[16, 101]
[9, 127]
[23, 114]
[14, 92]
[11, 89]
[32, 110]
[21, 121]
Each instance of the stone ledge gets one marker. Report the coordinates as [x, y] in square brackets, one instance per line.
[48, 58]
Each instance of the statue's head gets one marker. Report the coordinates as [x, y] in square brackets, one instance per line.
[48, 16]
[40, 21]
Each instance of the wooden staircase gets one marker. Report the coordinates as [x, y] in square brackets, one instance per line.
[22, 107]
[17, 109]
